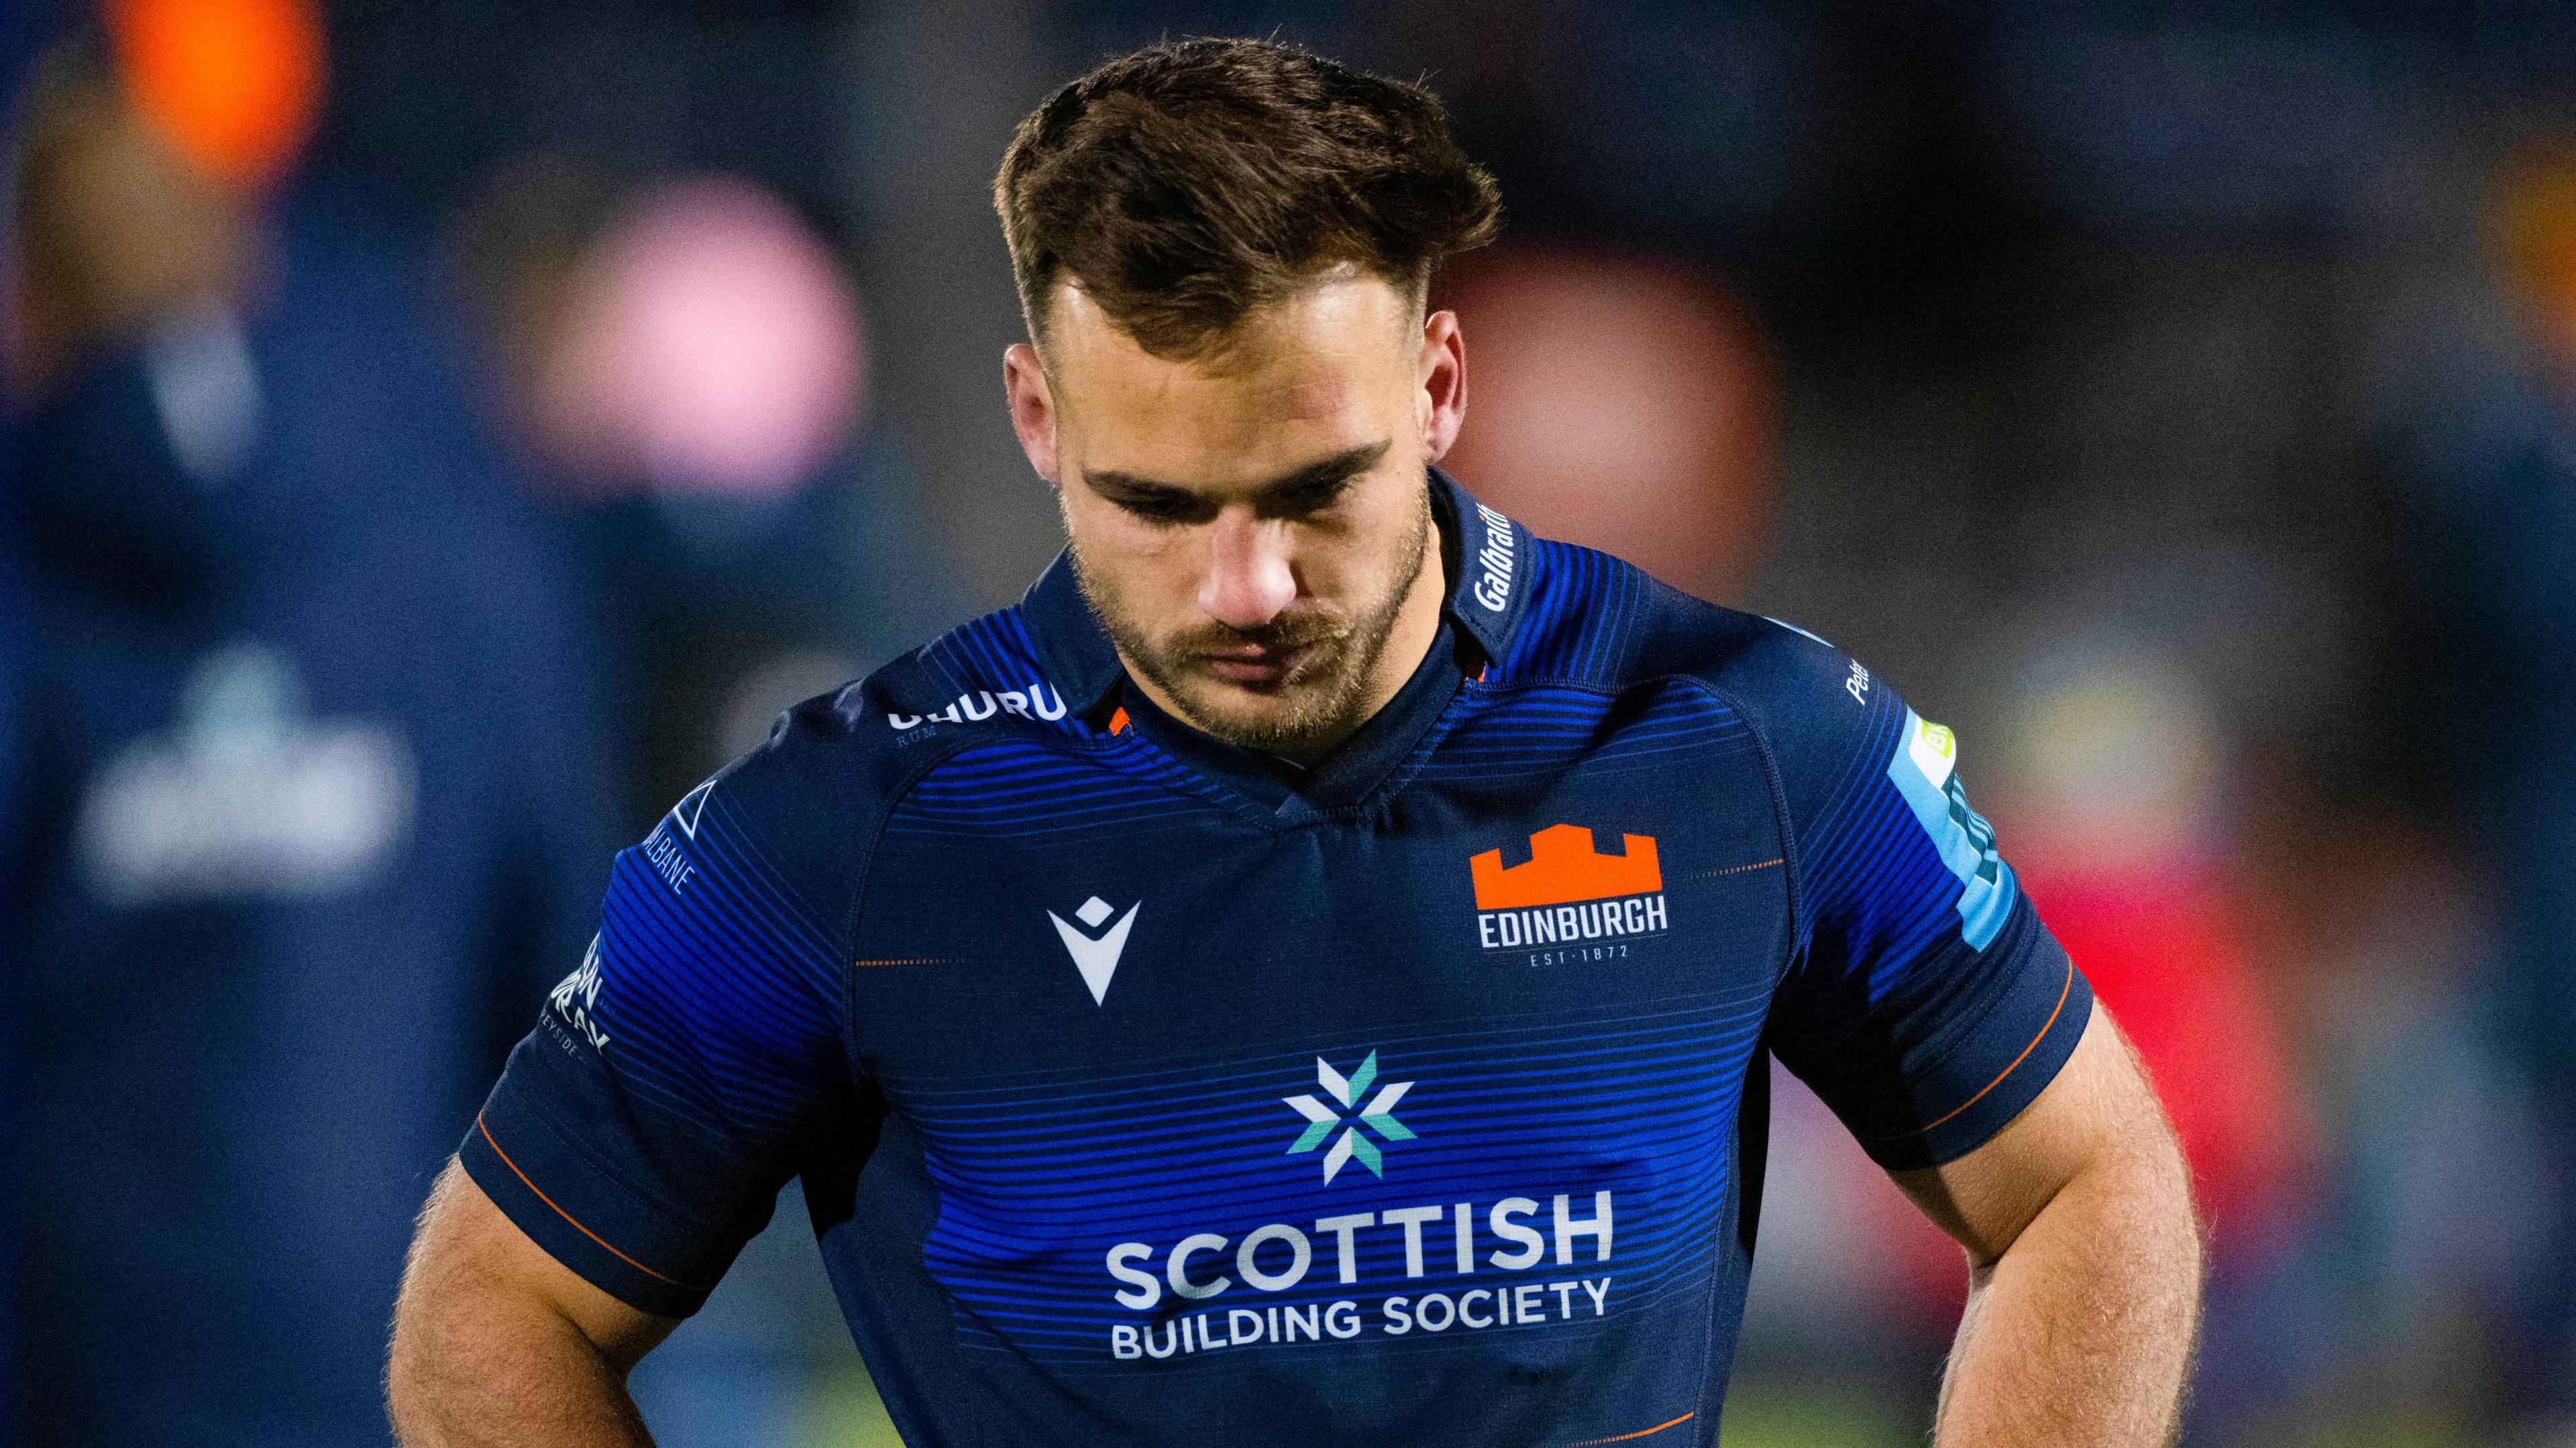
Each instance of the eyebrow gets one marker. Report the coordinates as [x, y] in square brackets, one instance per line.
[1321, 473]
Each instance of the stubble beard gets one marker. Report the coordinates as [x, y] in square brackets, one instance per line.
[1325, 694]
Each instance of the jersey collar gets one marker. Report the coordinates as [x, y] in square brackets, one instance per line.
[1072, 648]
[1486, 555]
[1489, 574]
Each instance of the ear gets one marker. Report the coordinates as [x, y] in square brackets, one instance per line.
[1033, 416]
[1441, 400]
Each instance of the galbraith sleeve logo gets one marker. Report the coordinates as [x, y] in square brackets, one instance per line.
[1568, 892]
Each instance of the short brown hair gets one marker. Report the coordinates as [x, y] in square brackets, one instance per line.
[1194, 181]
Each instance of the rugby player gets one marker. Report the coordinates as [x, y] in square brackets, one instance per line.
[1306, 974]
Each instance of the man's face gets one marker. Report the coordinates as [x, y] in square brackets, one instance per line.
[1253, 526]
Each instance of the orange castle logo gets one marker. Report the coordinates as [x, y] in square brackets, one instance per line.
[1563, 868]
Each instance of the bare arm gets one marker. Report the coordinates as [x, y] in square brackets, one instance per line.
[2084, 1263]
[496, 1344]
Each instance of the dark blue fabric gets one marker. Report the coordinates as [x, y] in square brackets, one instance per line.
[343, 674]
[2486, 510]
[24, 29]
[696, 595]
[16, 634]
[1138, 1103]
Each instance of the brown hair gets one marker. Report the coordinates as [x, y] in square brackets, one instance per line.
[1194, 181]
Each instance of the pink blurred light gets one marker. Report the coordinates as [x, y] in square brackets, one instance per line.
[710, 347]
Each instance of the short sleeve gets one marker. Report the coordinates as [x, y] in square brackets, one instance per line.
[682, 1074]
[1927, 1004]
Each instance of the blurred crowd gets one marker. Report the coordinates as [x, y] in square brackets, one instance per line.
[436, 436]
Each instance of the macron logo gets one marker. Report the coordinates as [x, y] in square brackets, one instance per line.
[1096, 956]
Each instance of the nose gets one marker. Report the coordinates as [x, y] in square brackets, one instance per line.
[1248, 581]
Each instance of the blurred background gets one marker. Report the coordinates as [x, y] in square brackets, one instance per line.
[436, 435]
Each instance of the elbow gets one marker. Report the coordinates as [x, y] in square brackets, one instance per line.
[2143, 1199]
[424, 1342]
[2182, 1217]
[403, 1395]
[2130, 1209]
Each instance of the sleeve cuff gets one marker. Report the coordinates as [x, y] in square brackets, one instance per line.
[2003, 1066]
[581, 1215]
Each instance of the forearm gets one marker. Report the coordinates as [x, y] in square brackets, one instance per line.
[507, 1383]
[487, 1353]
[2081, 1331]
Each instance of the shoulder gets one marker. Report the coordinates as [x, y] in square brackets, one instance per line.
[1596, 620]
[1801, 692]
[811, 796]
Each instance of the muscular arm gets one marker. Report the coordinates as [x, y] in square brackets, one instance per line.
[2084, 1262]
[496, 1344]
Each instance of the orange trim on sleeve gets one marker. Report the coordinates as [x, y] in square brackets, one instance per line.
[567, 1216]
[1640, 1433]
[2063, 992]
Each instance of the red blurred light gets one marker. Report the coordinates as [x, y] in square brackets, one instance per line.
[233, 85]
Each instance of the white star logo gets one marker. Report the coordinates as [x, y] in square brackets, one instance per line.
[1347, 1090]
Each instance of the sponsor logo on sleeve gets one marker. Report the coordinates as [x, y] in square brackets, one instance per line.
[575, 999]
[1925, 769]
[663, 848]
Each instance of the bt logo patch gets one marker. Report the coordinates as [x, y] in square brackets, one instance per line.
[1925, 769]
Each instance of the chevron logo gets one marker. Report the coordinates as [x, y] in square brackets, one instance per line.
[1096, 956]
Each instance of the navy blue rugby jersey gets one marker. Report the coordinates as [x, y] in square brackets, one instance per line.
[1148, 1091]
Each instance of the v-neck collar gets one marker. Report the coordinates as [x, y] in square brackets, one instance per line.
[1484, 556]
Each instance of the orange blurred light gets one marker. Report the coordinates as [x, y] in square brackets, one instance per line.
[233, 85]
[1622, 402]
